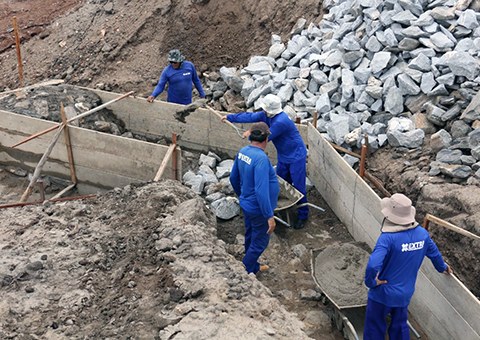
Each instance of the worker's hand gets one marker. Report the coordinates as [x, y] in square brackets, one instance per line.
[271, 225]
[380, 282]
[223, 119]
[448, 271]
[247, 133]
[150, 99]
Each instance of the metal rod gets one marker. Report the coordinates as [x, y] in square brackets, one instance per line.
[417, 335]
[68, 144]
[61, 199]
[310, 205]
[281, 221]
[19, 53]
[174, 159]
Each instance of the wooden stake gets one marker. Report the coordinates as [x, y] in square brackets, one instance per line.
[165, 160]
[19, 54]
[315, 119]
[363, 158]
[41, 133]
[38, 169]
[68, 144]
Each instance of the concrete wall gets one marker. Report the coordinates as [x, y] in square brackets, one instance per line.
[101, 160]
[441, 305]
[203, 131]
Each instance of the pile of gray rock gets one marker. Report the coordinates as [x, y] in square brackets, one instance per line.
[44, 102]
[211, 180]
[395, 70]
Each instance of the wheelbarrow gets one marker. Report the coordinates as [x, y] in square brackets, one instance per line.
[338, 271]
[288, 198]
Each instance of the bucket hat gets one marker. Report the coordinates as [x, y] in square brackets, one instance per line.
[398, 209]
[175, 56]
[272, 104]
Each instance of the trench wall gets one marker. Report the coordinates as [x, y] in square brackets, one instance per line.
[101, 160]
[203, 130]
[441, 305]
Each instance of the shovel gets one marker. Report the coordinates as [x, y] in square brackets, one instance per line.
[180, 115]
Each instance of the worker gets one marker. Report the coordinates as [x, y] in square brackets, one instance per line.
[179, 75]
[255, 182]
[291, 150]
[393, 266]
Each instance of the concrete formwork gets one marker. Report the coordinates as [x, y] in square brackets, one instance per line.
[101, 160]
[441, 304]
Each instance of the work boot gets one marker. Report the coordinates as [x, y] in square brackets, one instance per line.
[263, 268]
[300, 224]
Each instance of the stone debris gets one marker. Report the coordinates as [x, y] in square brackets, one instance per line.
[368, 58]
[44, 102]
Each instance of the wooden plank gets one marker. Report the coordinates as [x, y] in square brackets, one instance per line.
[165, 161]
[451, 227]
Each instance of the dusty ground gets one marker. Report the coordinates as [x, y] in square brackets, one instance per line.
[121, 44]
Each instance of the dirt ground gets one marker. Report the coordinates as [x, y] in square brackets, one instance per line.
[120, 45]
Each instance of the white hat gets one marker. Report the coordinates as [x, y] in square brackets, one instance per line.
[272, 104]
[398, 209]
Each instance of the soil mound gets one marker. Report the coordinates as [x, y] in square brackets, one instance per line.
[137, 262]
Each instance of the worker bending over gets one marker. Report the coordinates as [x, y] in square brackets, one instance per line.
[255, 182]
[291, 150]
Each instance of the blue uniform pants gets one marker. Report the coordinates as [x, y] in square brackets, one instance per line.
[256, 240]
[376, 322]
[296, 174]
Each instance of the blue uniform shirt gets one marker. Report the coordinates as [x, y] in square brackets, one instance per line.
[397, 258]
[284, 134]
[179, 83]
[255, 182]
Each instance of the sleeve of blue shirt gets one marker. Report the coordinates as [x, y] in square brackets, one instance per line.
[247, 117]
[161, 84]
[262, 187]
[375, 262]
[235, 178]
[196, 82]
[434, 255]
